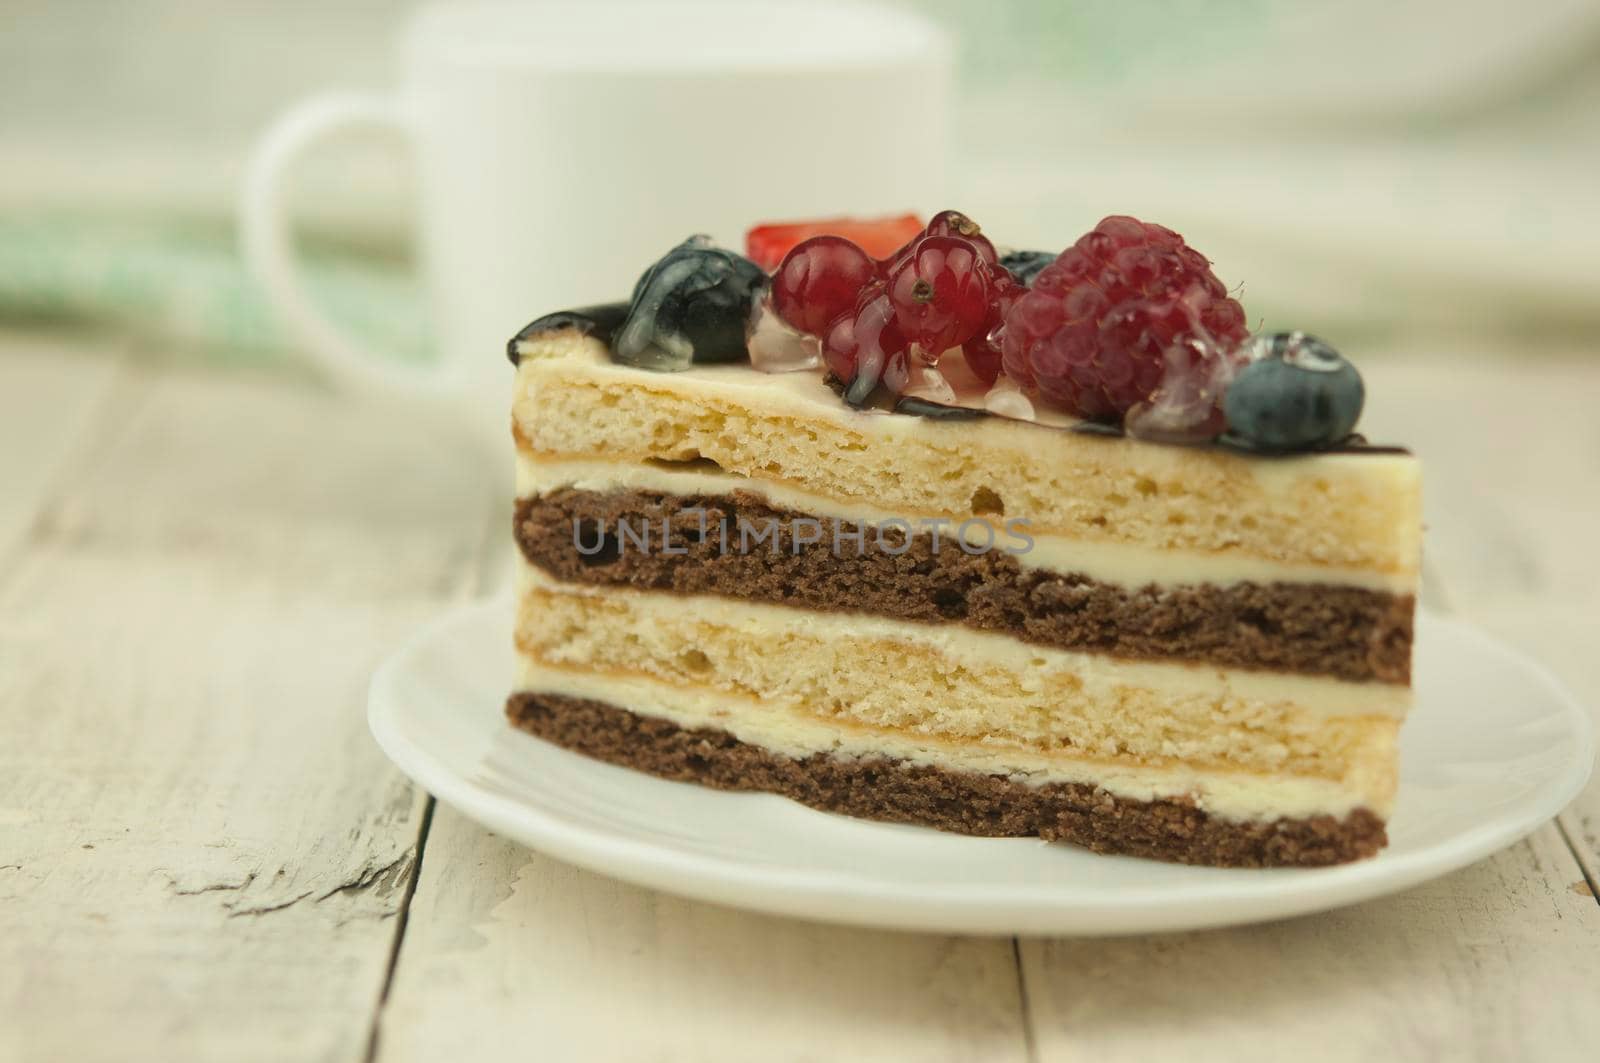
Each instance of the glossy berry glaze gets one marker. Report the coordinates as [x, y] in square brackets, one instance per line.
[692, 306]
[860, 346]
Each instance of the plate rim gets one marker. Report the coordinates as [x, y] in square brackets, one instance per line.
[833, 897]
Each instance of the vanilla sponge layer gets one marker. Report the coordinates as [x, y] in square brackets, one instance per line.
[1244, 744]
[1340, 511]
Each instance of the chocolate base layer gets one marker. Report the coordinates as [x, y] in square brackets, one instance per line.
[963, 802]
[1314, 629]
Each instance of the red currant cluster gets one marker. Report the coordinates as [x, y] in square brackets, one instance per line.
[880, 318]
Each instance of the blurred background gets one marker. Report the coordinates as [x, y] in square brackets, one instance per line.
[206, 549]
[1371, 171]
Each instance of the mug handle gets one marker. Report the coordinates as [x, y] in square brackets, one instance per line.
[269, 250]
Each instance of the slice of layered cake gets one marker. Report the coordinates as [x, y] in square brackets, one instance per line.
[1000, 544]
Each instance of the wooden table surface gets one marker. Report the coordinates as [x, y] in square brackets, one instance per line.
[203, 855]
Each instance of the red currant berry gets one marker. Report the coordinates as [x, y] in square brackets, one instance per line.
[940, 293]
[873, 338]
[839, 347]
[765, 245]
[819, 280]
[984, 351]
[944, 223]
[955, 223]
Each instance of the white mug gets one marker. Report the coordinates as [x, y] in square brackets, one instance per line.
[564, 147]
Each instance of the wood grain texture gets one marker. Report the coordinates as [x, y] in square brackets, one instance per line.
[511, 955]
[204, 852]
[49, 391]
[1496, 962]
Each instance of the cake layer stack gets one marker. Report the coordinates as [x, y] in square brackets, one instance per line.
[977, 624]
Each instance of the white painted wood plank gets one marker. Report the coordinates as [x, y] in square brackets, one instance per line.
[204, 853]
[511, 955]
[51, 388]
[1497, 962]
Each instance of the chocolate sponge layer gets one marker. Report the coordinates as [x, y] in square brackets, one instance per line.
[1314, 629]
[963, 802]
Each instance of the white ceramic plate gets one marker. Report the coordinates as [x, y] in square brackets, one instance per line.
[1493, 749]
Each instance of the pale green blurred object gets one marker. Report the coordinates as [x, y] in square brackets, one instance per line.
[181, 286]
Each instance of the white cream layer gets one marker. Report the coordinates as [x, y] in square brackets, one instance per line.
[1124, 564]
[1239, 796]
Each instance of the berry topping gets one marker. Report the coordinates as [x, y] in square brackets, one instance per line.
[1114, 316]
[884, 323]
[859, 346]
[767, 244]
[1128, 329]
[818, 280]
[944, 223]
[1298, 394]
[955, 223]
[839, 349]
[983, 353]
[694, 305]
[775, 346]
[1186, 408]
[1025, 265]
[940, 292]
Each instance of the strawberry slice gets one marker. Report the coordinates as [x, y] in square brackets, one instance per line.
[765, 245]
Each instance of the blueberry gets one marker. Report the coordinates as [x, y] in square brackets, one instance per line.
[694, 305]
[1025, 265]
[1298, 394]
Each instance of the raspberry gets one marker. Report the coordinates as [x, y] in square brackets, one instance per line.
[1126, 309]
[766, 245]
[818, 280]
[940, 292]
